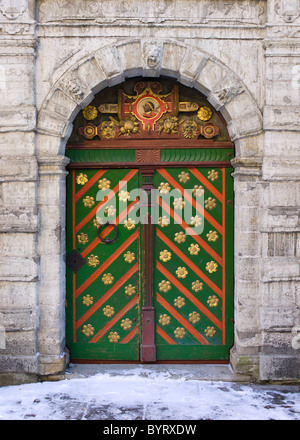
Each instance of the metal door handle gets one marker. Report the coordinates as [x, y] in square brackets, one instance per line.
[107, 240]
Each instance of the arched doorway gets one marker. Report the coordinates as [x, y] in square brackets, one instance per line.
[149, 227]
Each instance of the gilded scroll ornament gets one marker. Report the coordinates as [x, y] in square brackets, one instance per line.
[90, 112]
[212, 301]
[163, 221]
[164, 188]
[210, 332]
[108, 311]
[164, 286]
[179, 302]
[197, 286]
[165, 256]
[107, 278]
[113, 337]
[180, 237]
[179, 333]
[81, 179]
[93, 260]
[126, 323]
[87, 300]
[183, 177]
[88, 330]
[194, 249]
[210, 203]
[213, 175]
[181, 272]
[130, 290]
[82, 238]
[204, 113]
[129, 257]
[212, 236]
[211, 266]
[129, 224]
[88, 201]
[194, 317]
[104, 184]
[164, 319]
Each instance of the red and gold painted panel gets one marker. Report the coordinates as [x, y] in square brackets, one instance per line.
[193, 278]
[103, 287]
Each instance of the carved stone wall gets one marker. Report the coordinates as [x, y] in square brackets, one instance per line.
[55, 56]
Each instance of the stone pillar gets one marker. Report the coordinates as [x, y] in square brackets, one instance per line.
[280, 271]
[19, 309]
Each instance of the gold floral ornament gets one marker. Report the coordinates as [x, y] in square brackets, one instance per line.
[82, 238]
[204, 113]
[212, 236]
[129, 224]
[164, 319]
[211, 266]
[210, 332]
[113, 337]
[88, 330]
[88, 201]
[198, 191]
[126, 324]
[181, 272]
[123, 196]
[184, 177]
[98, 221]
[163, 221]
[130, 290]
[165, 256]
[164, 188]
[213, 175]
[110, 211]
[104, 184]
[178, 203]
[93, 260]
[194, 249]
[194, 317]
[87, 300]
[108, 311]
[212, 301]
[129, 257]
[197, 286]
[179, 302]
[180, 237]
[210, 203]
[169, 125]
[90, 112]
[81, 179]
[179, 333]
[108, 128]
[107, 278]
[164, 286]
[196, 221]
[189, 129]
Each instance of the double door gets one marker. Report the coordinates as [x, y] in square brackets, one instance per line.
[150, 264]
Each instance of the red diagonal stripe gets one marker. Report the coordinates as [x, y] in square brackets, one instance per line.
[89, 184]
[107, 198]
[108, 294]
[165, 336]
[108, 262]
[116, 318]
[189, 230]
[188, 294]
[187, 261]
[206, 183]
[181, 319]
[191, 200]
[130, 335]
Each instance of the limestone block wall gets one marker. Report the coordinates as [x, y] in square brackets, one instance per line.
[55, 56]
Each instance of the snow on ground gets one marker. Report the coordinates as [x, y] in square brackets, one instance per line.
[147, 394]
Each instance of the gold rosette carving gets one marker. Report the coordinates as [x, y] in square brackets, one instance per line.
[204, 113]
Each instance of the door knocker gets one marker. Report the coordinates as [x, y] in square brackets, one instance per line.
[107, 240]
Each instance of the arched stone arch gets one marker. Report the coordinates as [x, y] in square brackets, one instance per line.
[73, 90]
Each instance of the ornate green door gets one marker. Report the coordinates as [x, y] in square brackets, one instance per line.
[149, 279]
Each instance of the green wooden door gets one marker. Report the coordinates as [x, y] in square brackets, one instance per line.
[189, 262]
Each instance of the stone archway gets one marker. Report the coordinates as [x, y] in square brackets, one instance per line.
[73, 90]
